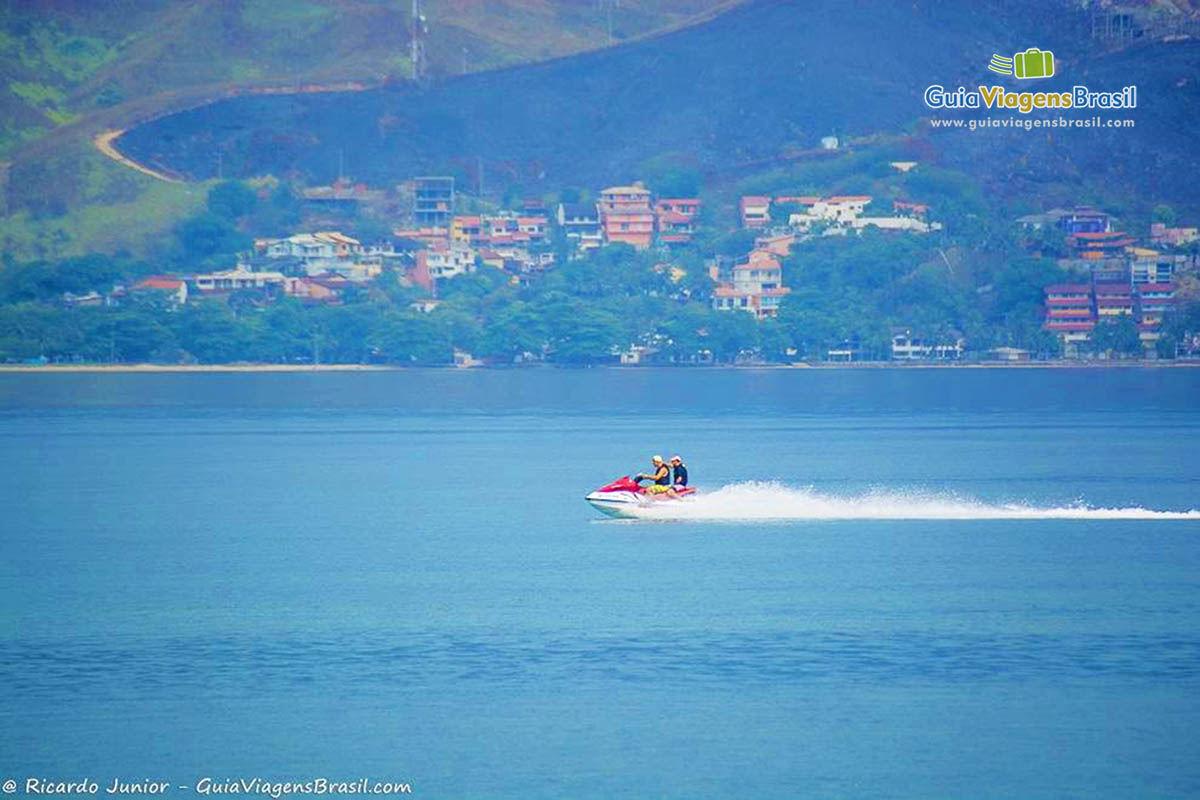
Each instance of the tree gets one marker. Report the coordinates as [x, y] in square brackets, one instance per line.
[781, 213]
[371, 231]
[513, 331]
[135, 335]
[587, 336]
[676, 182]
[208, 240]
[1048, 241]
[732, 333]
[774, 341]
[232, 200]
[1165, 214]
[211, 332]
[458, 327]
[410, 338]
[29, 331]
[1117, 338]
[735, 244]
[683, 333]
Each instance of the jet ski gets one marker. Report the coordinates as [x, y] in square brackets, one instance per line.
[624, 497]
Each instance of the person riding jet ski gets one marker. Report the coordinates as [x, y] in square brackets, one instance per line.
[679, 472]
[661, 477]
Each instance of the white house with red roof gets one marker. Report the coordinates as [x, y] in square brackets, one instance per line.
[755, 284]
[173, 288]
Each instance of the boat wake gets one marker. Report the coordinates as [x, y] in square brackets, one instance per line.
[774, 501]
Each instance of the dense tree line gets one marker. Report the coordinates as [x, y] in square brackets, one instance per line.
[846, 292]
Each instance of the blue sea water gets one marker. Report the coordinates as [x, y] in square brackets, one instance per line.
[393, 575]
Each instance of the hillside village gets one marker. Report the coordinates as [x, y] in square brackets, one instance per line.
[1118, 280]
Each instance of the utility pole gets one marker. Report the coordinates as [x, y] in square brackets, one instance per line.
[419, 29]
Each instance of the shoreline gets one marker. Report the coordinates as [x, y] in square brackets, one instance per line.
[866, 365]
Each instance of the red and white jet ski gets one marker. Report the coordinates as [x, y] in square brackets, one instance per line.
[624, 497]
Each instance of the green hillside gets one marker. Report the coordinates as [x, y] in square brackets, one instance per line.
[75, 68]
[67, 61]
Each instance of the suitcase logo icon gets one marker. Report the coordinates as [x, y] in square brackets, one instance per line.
[1033, 63]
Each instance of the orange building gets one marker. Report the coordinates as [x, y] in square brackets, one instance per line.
[1098, 245]
[626, 216]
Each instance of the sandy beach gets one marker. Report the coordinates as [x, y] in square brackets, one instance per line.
[144, 368]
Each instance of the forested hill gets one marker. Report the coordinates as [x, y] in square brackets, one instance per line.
[748, 84]
[68, 60]
[760, 82]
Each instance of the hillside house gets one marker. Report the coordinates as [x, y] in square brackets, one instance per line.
[906, 347]
[174, 289]
[231, 280]
[466, 231]
[321, 251]
[676, 218]
[1093, 246]
[433, 201]
[1153, 266]
[626, 216]
[755, 211]
[755, 285]
[836, 210]
[533, 226]
[776, 245]
[918, 210]
[314, 289]
[1070, 314]
[424, 235]
[1154, 300]
[581, 224]
[1070, 221]
[843, 213]
[342, 193]
[1163, 236]
[444, 261]
[908, 224]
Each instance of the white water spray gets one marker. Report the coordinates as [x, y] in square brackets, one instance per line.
[773, 501]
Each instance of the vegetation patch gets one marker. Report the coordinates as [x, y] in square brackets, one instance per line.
[296, 17]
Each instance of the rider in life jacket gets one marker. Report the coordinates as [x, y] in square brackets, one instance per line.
[661, 477]
[679, 472]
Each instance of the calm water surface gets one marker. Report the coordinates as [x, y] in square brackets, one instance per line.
[393, 575]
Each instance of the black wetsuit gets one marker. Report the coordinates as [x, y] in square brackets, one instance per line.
[680, 475]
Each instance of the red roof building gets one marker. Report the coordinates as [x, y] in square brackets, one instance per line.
[676, 219]
[174, 288]
[1099, 244]
[755, 210]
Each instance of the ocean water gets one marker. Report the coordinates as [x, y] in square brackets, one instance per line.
[897, 583]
